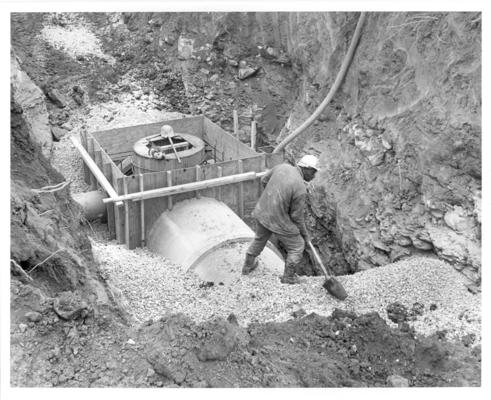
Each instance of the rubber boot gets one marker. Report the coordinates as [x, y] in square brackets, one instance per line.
[250, 264]
[289, 277]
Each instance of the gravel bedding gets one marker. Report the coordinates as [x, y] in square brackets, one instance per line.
[152, 286]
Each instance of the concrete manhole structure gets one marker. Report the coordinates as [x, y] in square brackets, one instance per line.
[183, 152]
[189, 205]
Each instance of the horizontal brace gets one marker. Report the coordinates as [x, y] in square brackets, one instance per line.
[187, 187]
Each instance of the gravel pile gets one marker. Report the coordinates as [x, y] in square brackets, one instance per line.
[153, 286]
[75, 40]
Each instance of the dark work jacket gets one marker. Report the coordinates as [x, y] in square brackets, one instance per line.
[281, 206]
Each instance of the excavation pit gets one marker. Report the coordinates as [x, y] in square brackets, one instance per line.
[189, 206]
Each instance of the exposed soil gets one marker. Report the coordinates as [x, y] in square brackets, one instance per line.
[70, 328]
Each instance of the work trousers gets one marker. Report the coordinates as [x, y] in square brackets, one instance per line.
[293, 244]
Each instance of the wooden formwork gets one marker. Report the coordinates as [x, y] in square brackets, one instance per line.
[131, 223]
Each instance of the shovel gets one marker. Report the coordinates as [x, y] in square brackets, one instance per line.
[331, 285]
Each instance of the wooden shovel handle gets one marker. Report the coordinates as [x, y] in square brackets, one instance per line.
[318, 259]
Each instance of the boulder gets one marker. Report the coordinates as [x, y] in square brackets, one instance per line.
[58, 133]
[397, 381]
[184, 48]
[247, 72]
[57, 98]
[70, 306]
[33, 316]
[457, 220]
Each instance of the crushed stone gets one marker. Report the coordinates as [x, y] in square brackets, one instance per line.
[74, 38]
[154, 286]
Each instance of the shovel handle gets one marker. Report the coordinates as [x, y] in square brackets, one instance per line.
[318, 259]
[173, 148]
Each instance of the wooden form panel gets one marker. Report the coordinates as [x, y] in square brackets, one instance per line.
[118, 143]
[239, 200]
[227, 147]
[110, 171]
[131, 223]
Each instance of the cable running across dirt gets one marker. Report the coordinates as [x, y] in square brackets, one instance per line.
[332, 92]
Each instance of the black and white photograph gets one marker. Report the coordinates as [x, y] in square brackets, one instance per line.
[234, 198]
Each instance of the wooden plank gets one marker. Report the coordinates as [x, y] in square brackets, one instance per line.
[263, 168]
[142, 212]
[227, 146]
[236, 124]
[154, 207]
[83, 140]
[90, 151]
[240, 200]
[253, 135]
[219, 188]
[126, 214]
[134, 213]
[98, 162]
[169, 184]
[198, 178]
[180, 177]
[118, 211]
[209, 172]
[107, 171]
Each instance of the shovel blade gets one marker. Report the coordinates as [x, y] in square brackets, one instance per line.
[335, 289]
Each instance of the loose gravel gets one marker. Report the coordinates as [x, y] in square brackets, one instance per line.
[74, 38]
[153, 286]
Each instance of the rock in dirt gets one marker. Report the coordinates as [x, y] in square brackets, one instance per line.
[397, 381]
[340, 314]
[225, 336]
[70, 306]
[397, 312]
[33, 316]
[184, 48]
[58, 133]
[247, 72]
[56, 97]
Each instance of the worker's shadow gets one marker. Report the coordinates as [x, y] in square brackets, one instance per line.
[306, 266]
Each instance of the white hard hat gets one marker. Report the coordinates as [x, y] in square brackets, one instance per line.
[166, 131]
[309, 161]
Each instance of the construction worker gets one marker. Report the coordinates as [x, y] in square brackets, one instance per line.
[280, 210]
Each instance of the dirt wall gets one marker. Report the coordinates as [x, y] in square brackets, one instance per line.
[401, 143]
